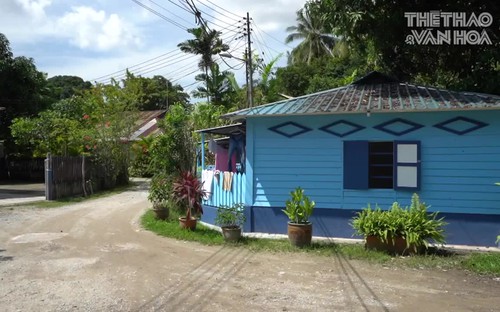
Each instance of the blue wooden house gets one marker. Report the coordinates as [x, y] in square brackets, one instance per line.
[375, 141]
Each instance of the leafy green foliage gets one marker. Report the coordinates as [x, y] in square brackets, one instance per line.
[22, 88]
[64, 87]
[414, 224]
[378, 31]
[173, 151]
[484, 263]
[217, 86]
[154, 93]
[206, 43]
[230, 216]
[160, 189]
[140, 165]
[316, 42]
[299, 208]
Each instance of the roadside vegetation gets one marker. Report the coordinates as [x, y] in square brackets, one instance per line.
[441, 259]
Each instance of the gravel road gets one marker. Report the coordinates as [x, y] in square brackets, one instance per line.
[94, 256]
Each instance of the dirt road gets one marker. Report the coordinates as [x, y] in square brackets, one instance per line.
[94, 256]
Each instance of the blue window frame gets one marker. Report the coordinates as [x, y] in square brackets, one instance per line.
[382, 165]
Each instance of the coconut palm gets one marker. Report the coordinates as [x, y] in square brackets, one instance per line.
[205, 43]
[315, 41]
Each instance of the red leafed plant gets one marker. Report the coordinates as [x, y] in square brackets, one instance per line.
[188, 191]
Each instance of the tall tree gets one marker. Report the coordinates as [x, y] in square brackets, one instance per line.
[206, 43]
[154, 93]
[217, 85]
[63, 87]
[310, 29]
[22, 87]
[380, 29]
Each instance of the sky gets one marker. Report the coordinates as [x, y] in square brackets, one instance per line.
[99, 39]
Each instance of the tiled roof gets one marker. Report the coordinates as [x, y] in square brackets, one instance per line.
[375, 93]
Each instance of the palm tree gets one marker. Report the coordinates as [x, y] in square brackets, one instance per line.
[217, 85]
[315, 41]
[205, 43]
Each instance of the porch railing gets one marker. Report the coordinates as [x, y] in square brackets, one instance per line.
[219, 196]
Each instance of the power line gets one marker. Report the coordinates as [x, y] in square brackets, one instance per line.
[150, 63]
[270, 36]
[152, 68]
[177, 5]
[162, 7]
[185, 75]
[119, 71]
[160, 15]
[259, 33]
[222, 8]
[211, 8]
[257, 42]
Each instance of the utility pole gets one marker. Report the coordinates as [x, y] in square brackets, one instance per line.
[250, 69]
[247, 76]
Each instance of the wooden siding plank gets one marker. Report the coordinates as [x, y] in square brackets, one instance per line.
[467, 165]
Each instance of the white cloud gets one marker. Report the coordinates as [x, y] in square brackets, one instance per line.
[35, 8]
[93, 38]
[91, 29]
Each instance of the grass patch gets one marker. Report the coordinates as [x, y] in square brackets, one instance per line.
[171, 229]
[75, 200]
[483, 263]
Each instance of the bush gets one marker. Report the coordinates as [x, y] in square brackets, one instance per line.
[299, 208]
[230, 216]
[414, 224]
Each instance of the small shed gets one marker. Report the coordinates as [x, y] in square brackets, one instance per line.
[375, 141]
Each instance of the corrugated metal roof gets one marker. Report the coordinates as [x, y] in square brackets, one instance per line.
[147, 124]
[375, 93]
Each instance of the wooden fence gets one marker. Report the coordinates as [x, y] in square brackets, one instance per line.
[27, 169]
[76, 176]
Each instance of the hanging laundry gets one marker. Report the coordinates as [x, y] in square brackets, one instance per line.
[228, 180]
[207, 177]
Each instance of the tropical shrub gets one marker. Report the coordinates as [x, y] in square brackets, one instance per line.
[230, 216]
[299, 208]
[188, 192]
[140, 164]
[413, 223]
[160, 189]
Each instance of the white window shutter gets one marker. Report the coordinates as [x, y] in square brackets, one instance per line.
[407, 165]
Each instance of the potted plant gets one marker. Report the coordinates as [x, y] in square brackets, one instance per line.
[298, 209]
[230, 220]
[188, 192]
[399, 230]
[159, 194]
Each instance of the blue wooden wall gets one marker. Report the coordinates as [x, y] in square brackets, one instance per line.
[458, 171]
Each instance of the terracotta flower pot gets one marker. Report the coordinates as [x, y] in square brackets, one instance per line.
[161, 214]
[231, 233]
[395, 245]
[299, 234]
[189, 224]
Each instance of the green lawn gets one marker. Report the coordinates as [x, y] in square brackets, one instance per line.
[483, 263]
